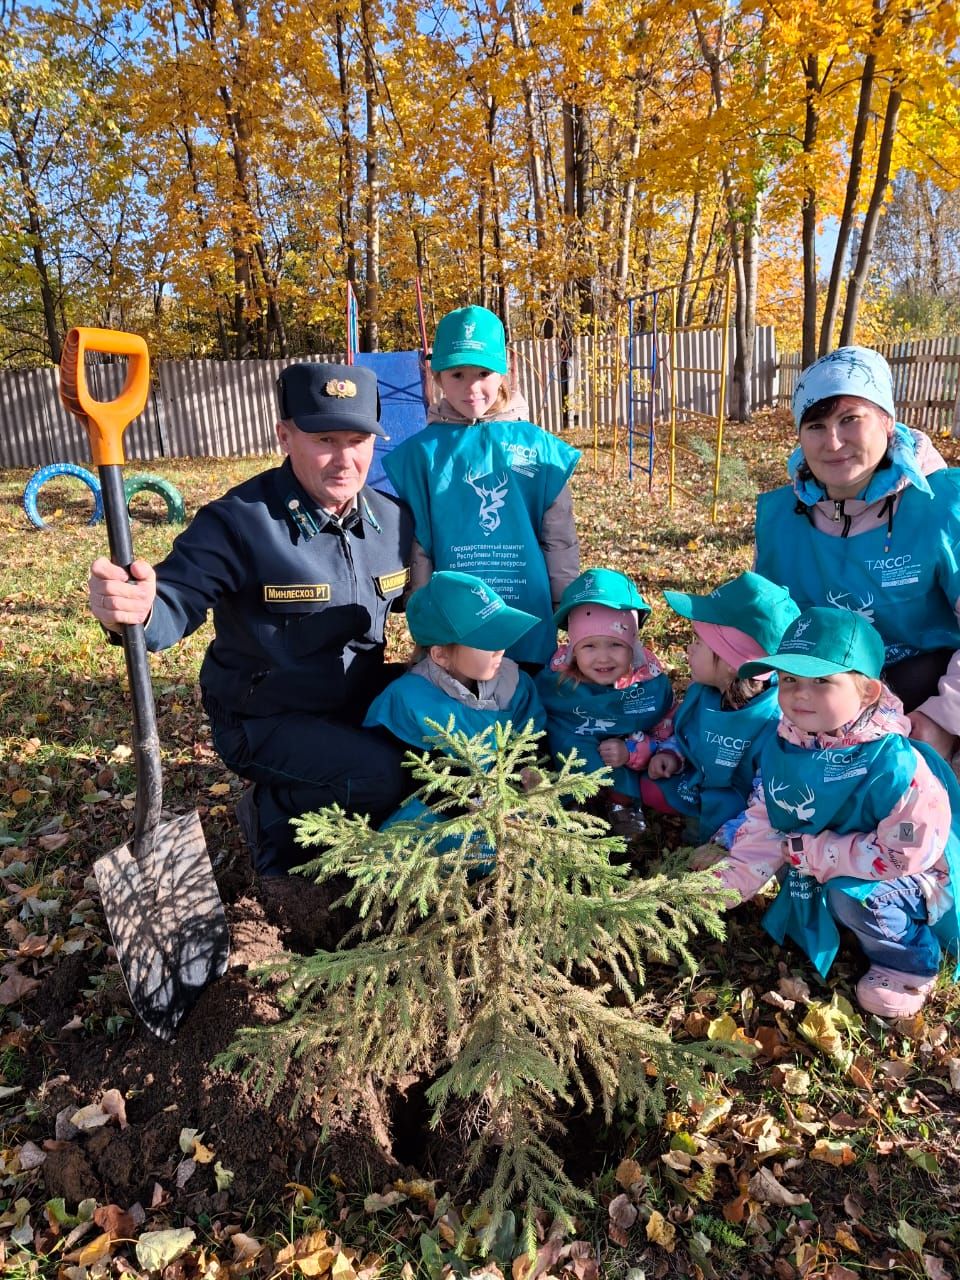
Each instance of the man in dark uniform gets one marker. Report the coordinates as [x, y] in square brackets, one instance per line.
[300, 566]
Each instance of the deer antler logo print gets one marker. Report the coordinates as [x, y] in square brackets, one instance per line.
[492, 497]
[592, 724]
[803, 810]
[864, 608]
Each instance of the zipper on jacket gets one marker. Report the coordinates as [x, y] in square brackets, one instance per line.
[840, 514]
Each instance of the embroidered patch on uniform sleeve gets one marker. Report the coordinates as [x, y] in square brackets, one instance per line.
[388, 582]
[290, 592]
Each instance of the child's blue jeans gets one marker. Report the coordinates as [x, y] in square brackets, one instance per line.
[891, 925]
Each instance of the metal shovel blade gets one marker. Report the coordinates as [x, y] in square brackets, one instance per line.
[166, 921]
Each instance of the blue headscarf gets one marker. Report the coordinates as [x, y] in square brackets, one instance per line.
[848, 371]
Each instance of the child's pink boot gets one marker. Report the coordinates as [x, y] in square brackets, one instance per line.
[891, 994]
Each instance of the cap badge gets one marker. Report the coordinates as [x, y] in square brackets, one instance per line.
[468, 330]
[342, 388]
[482, 593]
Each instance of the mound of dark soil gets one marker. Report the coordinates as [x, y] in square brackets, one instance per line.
[171, 1087]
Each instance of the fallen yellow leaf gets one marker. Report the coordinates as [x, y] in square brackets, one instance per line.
[722, 1028]
[831, 1152]
[846, 1239]
[661, 1232]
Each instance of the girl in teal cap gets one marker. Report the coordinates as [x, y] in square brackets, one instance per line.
[459, 676]
[859, 823]
[606, 695]
[707, 768]
[461, 628]
[489, 489]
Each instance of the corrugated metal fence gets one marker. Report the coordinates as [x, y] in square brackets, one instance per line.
[926, 381]
[216, 408]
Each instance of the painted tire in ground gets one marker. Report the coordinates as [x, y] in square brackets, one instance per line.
[51, 472]
[140, 482]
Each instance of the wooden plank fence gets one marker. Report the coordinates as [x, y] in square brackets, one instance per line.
[219, 408]
[926, 381]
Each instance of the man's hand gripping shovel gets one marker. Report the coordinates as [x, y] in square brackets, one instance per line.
[159, 896]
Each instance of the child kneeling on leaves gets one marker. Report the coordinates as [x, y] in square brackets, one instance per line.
[706, 770]
[854, 817]
[461, 627]
[605, 693]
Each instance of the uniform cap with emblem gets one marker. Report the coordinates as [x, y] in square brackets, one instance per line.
[457, 608]
[825, 642]
[750, 602]
[469, 335]
[330, 397]
[601, 586]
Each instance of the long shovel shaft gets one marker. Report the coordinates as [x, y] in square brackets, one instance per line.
[160, 898]
[146, 738]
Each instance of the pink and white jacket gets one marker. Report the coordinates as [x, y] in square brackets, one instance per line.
[759, 850]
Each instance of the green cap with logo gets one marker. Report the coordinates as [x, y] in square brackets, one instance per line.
[457, 608]
[751, 603]
[825, 642]
[470, 335]
[601, 586]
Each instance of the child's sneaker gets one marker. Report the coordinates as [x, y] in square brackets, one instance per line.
[626, 820]
[891, 994]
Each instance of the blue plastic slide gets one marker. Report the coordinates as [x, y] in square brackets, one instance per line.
[402, 410]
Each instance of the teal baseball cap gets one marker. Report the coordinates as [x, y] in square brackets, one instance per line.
[470, 335]
[601, 586]
[457, 608]
[751, 603]
[824, 642]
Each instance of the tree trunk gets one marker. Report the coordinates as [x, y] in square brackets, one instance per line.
[743, 234]
[746, 321]
[629, 196]
[347, 161]
[371, 144]
[874, 209]
[48, 300]
[854, 177]
[521, 38]
[689, 253]
[808, 209]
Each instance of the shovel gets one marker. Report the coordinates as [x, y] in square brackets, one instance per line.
[159, 896]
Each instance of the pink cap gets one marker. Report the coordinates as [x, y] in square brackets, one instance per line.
[586, 620]
[733, 646]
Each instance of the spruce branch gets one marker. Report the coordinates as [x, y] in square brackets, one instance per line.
[499, 954]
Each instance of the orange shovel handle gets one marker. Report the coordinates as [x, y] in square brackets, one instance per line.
[105, 420]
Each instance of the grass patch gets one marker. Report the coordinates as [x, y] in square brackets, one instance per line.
[864, 1132]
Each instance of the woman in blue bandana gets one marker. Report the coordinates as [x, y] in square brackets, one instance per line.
[870, 522]
[488, 488]
[853, 816]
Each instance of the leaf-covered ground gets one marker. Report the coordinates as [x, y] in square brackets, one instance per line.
[833, 1155]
